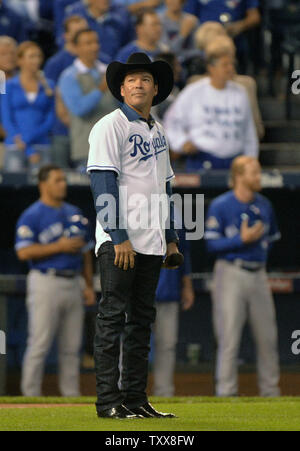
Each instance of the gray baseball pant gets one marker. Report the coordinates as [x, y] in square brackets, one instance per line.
[165, 338]
[236, 295]
[55, 307]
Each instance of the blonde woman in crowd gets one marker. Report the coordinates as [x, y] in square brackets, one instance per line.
[28, 112]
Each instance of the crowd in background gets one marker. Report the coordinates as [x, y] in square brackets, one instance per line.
[54, 55]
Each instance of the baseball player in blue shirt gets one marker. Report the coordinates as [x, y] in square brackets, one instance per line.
[240, 229]
[53, 236]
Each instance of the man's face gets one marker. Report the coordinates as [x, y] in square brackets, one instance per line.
[138, 90]
[150, 29]
[55, 186]
[8, 57]
[251, 177]
[88, 46]
[224, 68]
[73, 29]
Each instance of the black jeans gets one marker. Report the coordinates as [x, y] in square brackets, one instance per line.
[126, 308]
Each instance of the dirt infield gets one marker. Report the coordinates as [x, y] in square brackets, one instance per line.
[201, 384]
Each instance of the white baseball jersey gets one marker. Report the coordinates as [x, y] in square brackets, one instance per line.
[140, 157]
[216, 121]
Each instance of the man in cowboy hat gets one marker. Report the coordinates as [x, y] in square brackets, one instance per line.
[129, 163]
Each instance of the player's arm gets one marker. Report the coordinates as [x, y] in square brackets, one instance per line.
[171, 234]
[187, 290]
[215, 238]
[38, 251]
[217, 242]
[105, 183]
[87, 272]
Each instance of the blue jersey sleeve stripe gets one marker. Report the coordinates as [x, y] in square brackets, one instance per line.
[275, 237]
[212, 235]
[170, 177]
[95, 167]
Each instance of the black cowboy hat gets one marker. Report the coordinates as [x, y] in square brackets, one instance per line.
[161, 71]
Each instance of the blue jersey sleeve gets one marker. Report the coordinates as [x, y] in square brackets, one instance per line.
[216, 241]
[79, 226]
[192, 7]
[26, 231]
[252, 4]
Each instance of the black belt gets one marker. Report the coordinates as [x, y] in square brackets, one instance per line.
[248, 266]
[66, 273]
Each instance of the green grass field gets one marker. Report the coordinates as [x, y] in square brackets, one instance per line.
[194, 414]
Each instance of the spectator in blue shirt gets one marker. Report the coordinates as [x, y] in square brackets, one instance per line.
[149, 31]
[137, 6]
[112, 23]
[61, 148]
[84, 91]
[59, 12]
[28, 112]
[237, 16]
[174, 287]
[178, 28]
[11, 24]
[8, 65]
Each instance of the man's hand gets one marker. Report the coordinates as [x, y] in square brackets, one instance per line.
[235, 28]
[103, 85]
[189, 148]
[251, 234]
[124, 255]
[70, 245]
[89, 296]
[35, 158]
[19, 142]
[187, 298]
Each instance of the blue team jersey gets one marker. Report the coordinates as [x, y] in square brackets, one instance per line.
[223, 223]
[212, 10]
[41, 224]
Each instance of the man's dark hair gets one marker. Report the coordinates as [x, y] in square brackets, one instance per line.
[70, 20]
[80, 32]
[45, 171]
[140, 16]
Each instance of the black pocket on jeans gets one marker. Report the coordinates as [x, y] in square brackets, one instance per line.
[106, 246]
